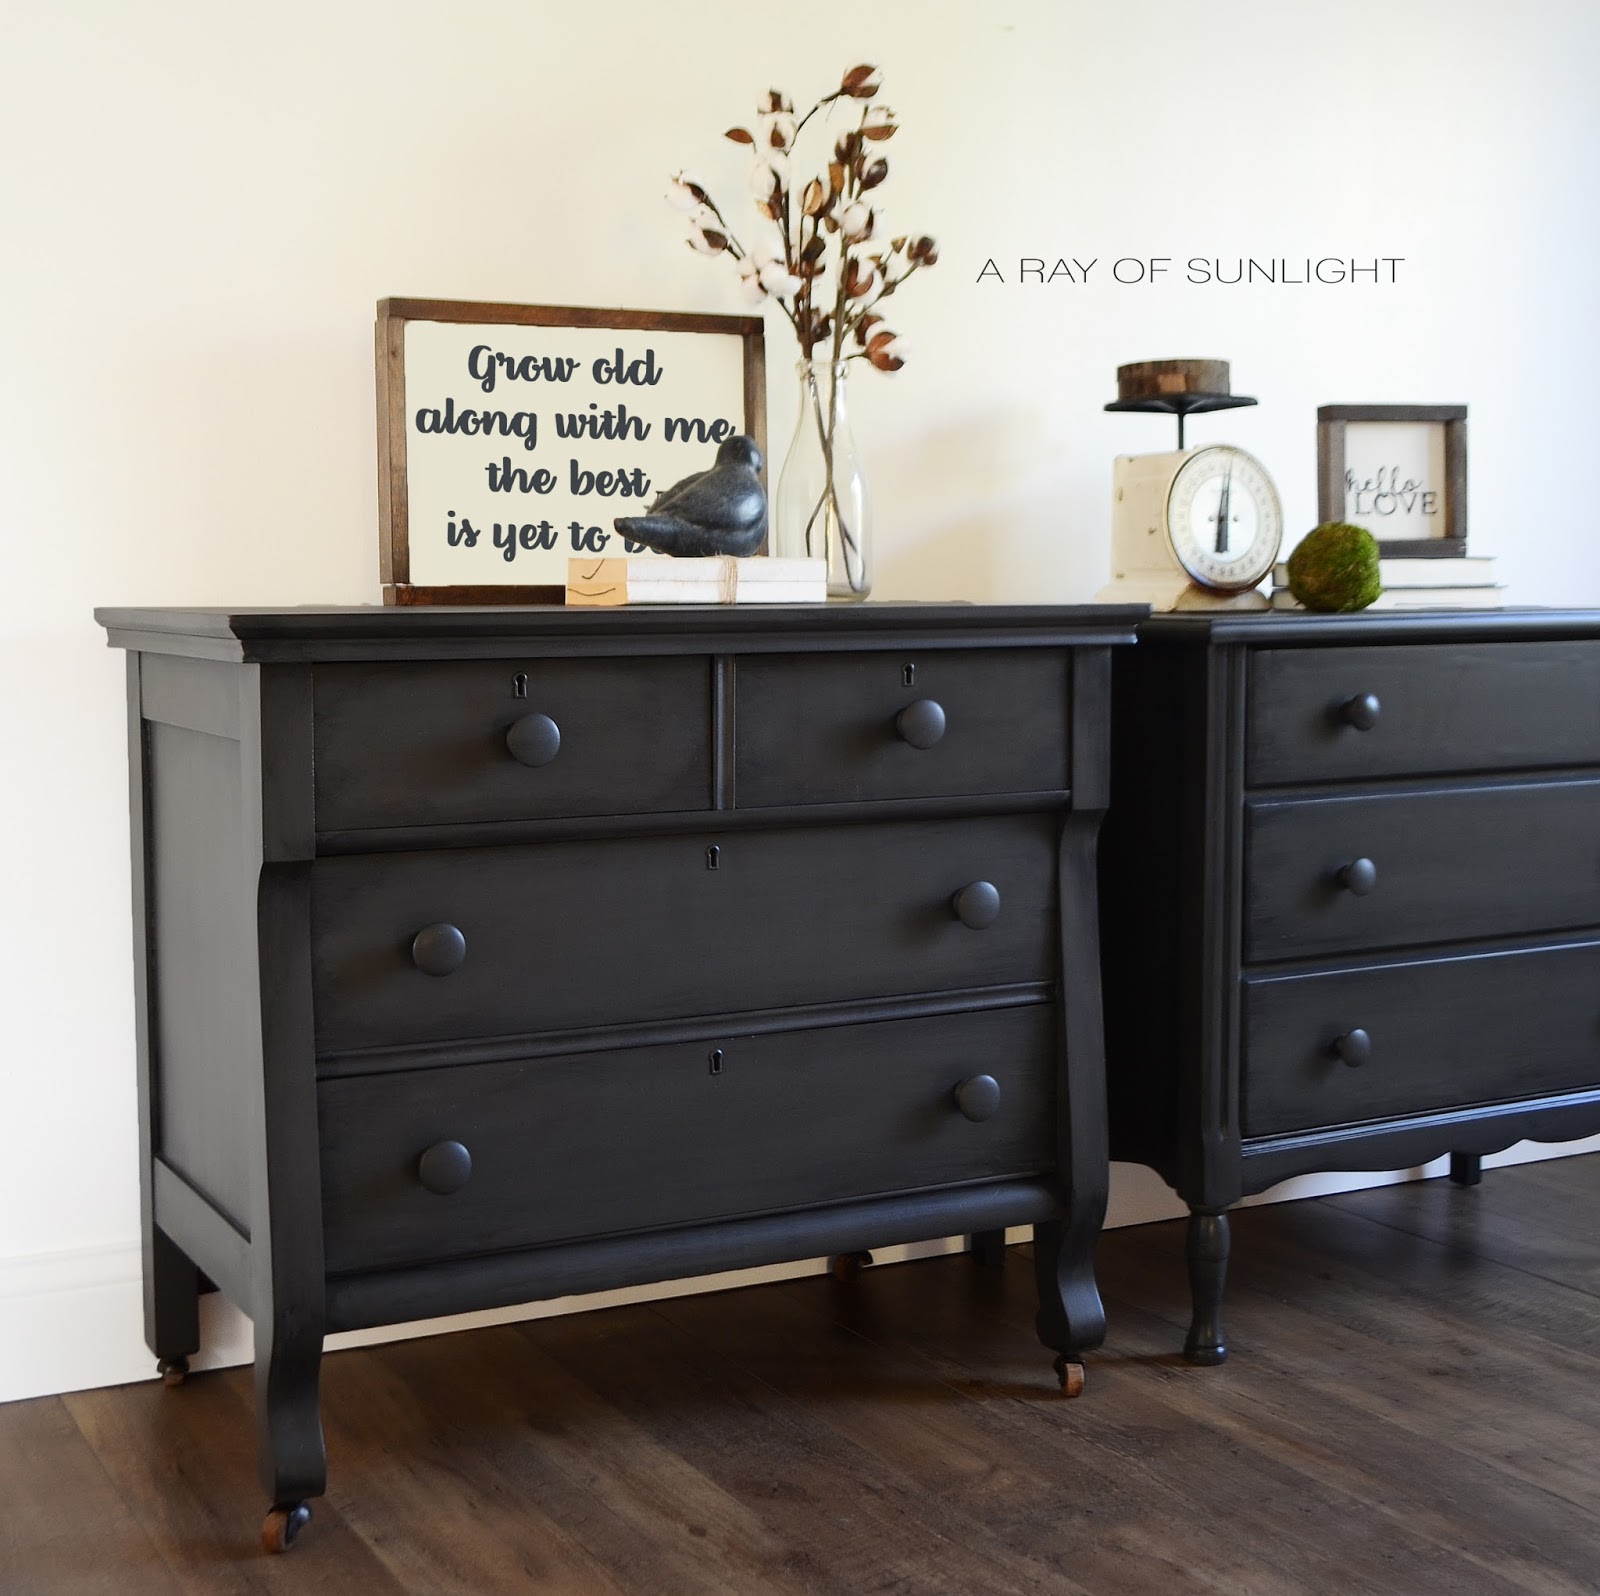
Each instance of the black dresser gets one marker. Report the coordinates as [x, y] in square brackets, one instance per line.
[486, 956]
[1350, 900]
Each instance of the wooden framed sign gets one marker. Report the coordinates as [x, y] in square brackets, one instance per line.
[510, 437]
[1400, 471]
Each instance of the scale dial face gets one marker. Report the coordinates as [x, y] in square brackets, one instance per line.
[1224, 519]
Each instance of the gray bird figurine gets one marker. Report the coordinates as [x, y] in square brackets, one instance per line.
[719, 511]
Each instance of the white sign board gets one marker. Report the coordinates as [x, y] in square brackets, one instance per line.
[1394, 478]
[516, 435]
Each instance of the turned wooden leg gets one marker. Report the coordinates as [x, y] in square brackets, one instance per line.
[1071, 1317]
[1208, 1272]
[292, 1460]
[1466, 1169]
[988, 1248]
[171, 1305]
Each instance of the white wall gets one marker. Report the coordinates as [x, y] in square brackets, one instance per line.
[202, 203]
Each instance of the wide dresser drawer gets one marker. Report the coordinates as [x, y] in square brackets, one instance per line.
[1336, 874]
[1416, 709]
[595, 1144]
[930, 724]
[486, 740]
[438, 944]
[1348, 1046]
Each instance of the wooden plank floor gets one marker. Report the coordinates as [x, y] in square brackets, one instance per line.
[1412, 1407]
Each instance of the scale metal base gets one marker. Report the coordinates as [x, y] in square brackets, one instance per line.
[1178, 593]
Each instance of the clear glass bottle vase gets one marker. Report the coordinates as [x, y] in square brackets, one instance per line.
[824, 510]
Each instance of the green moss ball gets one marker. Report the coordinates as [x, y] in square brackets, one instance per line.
[1335, 569]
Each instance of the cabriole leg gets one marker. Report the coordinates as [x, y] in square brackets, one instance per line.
[292, 1460]
[1208, 1273]
[1071, 1318]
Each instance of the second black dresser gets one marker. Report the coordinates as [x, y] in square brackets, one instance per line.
[1350, 900]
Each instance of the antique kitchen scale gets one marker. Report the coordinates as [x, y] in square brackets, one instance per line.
[1198, 527]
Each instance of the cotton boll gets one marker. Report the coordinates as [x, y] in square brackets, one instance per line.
[778, 282]
[766, 248]
[684, 193]
[768, 175]
[777, 130]
[704, 240]
[750, 282]
[855, 222]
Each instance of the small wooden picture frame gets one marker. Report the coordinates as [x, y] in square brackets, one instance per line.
[1400, 471]
[511, 436]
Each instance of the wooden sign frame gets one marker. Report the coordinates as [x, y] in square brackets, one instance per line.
[394, 552]
[1331, 423]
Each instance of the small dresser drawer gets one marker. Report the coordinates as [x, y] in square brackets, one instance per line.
[1337, 875]
[453, 943]
[563, 1148]
[1357, 1045]
[434, 744]
[927, 724]
[1333, 714]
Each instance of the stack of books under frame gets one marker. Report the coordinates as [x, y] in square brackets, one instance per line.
[1466, 582]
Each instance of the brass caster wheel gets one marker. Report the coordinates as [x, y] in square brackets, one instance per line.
[1071, 1377]
[847, 1265]
[283, 1525]
[173, 1371]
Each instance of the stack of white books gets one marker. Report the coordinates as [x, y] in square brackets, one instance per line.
[1466, 583]
[715, 579]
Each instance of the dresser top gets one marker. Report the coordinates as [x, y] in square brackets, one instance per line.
[416, 632]
[1281, 627]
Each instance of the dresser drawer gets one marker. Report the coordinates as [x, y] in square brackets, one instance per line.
[560, 935]
[928, 724]
[1445, 865]
[1440, 1033]
[564, 1148]
[430, 744]
[1330, 714]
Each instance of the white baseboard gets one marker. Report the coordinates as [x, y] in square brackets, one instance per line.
[73, 1320]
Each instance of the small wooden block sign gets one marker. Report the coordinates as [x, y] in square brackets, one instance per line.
[720, 579]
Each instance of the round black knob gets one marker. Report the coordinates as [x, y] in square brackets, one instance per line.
[1360, 876]
[921, 724]
[438, 949]
[1362, 711]
[1354, 1048]
[977, 906]
[445, 1168]
[534, 740]
[978, 1098]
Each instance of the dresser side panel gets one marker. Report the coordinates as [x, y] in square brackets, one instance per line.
[202, 920]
